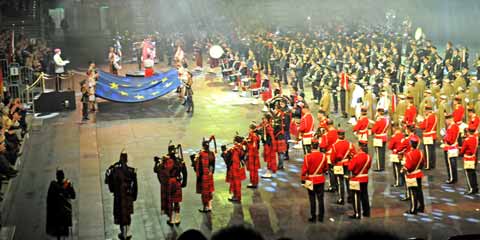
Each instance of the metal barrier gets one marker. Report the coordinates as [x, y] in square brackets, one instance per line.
[26, 75]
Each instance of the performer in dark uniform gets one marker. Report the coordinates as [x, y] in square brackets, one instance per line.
[122, 182]
[173, 172]
[204, 165]
[313, 170]
[59, 208]
[84, 99]
[413, 169]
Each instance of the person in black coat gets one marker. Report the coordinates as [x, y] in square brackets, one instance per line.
[122, 182]
[59, 208]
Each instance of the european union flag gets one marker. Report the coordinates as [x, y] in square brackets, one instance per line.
[133, 89]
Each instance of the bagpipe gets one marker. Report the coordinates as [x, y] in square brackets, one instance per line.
[205, 145]
[227, 153]
[176, 151]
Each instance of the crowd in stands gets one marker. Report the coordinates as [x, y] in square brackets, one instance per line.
[12, 132]
[32, 53]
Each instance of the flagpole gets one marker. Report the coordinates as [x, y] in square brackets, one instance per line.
[13, 43]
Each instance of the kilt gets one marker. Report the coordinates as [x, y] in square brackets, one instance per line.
[229, 175]
[174, 191]
[206, 184]
[281, 145]
[163, 197]
[243, 174]
[253, 162]
[270, 157]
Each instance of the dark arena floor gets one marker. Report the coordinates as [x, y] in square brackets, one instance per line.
[278, 208]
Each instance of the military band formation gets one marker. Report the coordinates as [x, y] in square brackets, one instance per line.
[393, 92]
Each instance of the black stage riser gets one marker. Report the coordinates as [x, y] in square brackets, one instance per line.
[55, 102]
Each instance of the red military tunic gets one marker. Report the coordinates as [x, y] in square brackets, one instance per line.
[380, 128]
[474, 122]
[323, 123]
[450, 139]
[306, 126]
[311, 162]
[405, 146]
[359, 166]
[429, 126]
[341, 152]
[458, 114]
[414, 163]
[394, 144]
[329, 139]
[361, 128]
[469, 148]
[410, 114]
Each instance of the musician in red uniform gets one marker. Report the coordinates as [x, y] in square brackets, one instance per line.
[429, 127]
[450, 148]
[361, 130]
[394, 144]
[343, 90]
[359, 166]
[253, 156]
[413, 169]
[473, 120]
[342, 152]
[205, 167]
[235, 170]
[327, 140]
[322, 119]
[172, 173]
[306, 129]
[458, 111]
[279, 132]
[404, 148]
[268, 139]
[410, 113]
[313, 170]
[379, 130]
[469, 152]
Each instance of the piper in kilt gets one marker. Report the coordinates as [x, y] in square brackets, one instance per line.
[235, 168]
[269, 142]
[173, 172]
[253, 156]
[204, 166]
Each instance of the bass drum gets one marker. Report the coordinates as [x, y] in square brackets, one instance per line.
[216, 52]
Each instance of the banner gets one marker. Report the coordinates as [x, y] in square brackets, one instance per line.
[135, 89]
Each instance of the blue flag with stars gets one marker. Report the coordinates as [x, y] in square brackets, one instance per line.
[135, 89]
